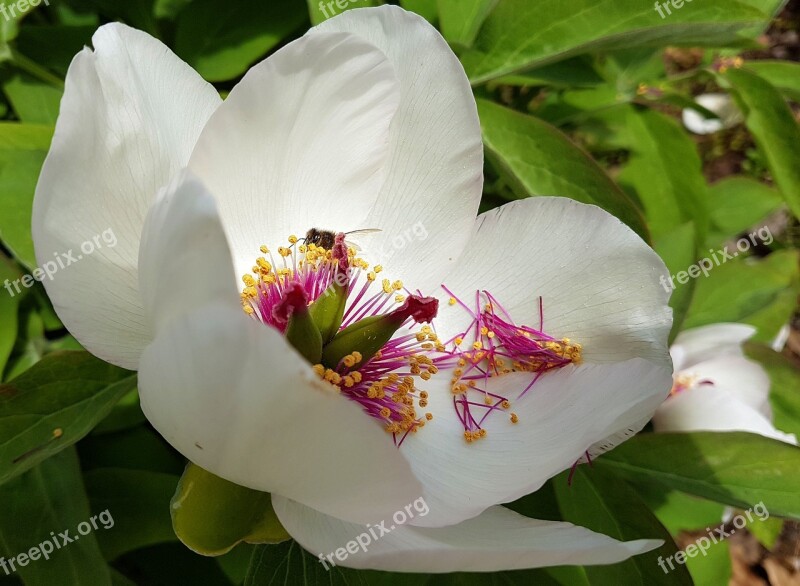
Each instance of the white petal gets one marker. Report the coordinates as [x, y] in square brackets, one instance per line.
[706, 342]
[497, 540]
[234, 398]
[300, 142]
[744, 379]
[130, 115]
[428, 203]
[184, 259]
[720, 104]
[560, 417]
[599, 282]
[710, 409]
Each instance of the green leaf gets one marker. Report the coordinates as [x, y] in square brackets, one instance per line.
[599, 500]
[678, 511]
[785, 378]
[666, 172]
[739, 203]
[9, 309]
[516, 36]
[577, 72]
[221, 43]
[784, 75]
[425, 8]
[33, 101]
[537, 159]
[762, 293]
[321, 10]
[774, 129]
[211, 515]
[714, 567]
[678, 250]
[138, 500]
[735, 468]
[42, 504]
[289, 563]
[53, 405]
[23, 148]
[461, 19]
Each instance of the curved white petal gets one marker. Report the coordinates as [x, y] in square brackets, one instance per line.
[300, 142]
[428, 203]
[130, 115]
[184, 259]
[712, 341]
[599, 282]
[560, 417]
[497, 540]
[744, 379]
[710, 409]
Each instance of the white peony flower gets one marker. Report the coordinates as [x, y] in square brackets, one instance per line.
[715, 387]
[367, 122]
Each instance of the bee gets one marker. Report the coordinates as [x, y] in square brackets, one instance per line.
[325, 238]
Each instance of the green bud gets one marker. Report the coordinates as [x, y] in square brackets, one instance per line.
[372, 333]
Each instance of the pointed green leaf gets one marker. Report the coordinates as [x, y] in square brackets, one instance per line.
[53, 405]
[538, 159]
[518, 36]
[601, 501]
[735, 468]
[774, 128]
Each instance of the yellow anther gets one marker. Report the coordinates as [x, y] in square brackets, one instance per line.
[452, 301]
[371, 276]
[284, 252]
[387, 286]
[319, 369]
[459, 341]
[514, 418]
[429, 416]
[397, 285]
[377, 268]
[293, 239]
[264, 249]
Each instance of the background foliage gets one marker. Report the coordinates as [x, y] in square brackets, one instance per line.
[579, 98]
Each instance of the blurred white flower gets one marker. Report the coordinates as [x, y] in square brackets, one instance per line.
[720, 104]
[715, 387]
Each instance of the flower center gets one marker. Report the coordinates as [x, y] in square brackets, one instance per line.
[357, 317]
[493, 345]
